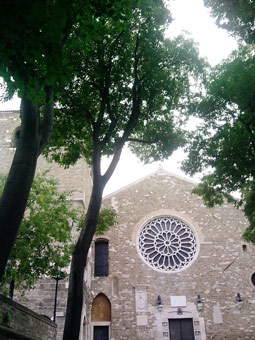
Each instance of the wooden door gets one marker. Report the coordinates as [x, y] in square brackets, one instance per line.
[101, 309]
[181, 329]
[101, 333]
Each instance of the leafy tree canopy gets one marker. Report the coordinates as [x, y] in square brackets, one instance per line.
[237, 16]
[130, 82]
[44, 242]
[33, 49]
[224, 143]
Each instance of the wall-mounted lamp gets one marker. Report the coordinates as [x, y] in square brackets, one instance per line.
[159, 303]
[179, 311]
[200, 303]
[238, 298]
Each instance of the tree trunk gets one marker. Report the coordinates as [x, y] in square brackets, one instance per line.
[20, 178]
[79, 259]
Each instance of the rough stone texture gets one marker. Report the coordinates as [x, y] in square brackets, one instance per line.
[221, 270]
[75, 179]
[22, 320]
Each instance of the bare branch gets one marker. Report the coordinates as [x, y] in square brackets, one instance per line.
[107, 175]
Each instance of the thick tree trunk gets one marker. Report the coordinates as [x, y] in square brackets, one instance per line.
[14, 198]
[19, 181]
[79, 259]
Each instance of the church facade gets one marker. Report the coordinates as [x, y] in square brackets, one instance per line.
[174, 269]
[170, 269]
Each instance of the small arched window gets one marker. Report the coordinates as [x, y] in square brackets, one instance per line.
[101, 258]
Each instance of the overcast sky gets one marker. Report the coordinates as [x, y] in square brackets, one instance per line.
[214, 44]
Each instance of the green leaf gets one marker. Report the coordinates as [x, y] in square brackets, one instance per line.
[44, 243]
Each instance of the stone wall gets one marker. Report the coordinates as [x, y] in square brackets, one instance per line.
[222, 269]
[41, 300]
[19, 322]
[76, 178]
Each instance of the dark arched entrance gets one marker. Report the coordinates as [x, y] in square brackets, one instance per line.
[101, 317]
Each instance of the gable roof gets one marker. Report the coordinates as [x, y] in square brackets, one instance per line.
[159, 172]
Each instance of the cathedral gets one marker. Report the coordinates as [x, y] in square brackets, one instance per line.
[170, 269]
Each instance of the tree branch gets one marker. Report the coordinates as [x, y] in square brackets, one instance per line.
[133, 119]
[30, 118]
[136, 97]
[47, 122]
[107, 95]
[107, 175]
[109, 131]
[137, 140]
[103, 88]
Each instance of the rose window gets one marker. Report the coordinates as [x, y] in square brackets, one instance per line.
[167, 244]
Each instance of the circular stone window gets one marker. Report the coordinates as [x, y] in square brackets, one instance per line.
[167, 244]
[253, 279]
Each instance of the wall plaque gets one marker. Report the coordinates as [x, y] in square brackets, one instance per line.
[141, 299]
[178, 301]
[141, 320]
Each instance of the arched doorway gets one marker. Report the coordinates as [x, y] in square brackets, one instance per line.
[101, 317]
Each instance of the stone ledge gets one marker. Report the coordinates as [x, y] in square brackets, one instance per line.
[16, 305]
[14, 334]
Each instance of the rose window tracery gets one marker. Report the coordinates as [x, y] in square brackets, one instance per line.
[167, 244]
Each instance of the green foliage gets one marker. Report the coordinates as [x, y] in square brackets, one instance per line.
[249, 210]
[44, 242]
[130, 82]
[224, 142]
[158, 140]
[237, 16]
[33, 50]
[106, 220]
[6, 317]
[212, 195]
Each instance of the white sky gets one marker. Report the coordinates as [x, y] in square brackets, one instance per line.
[214, 44]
